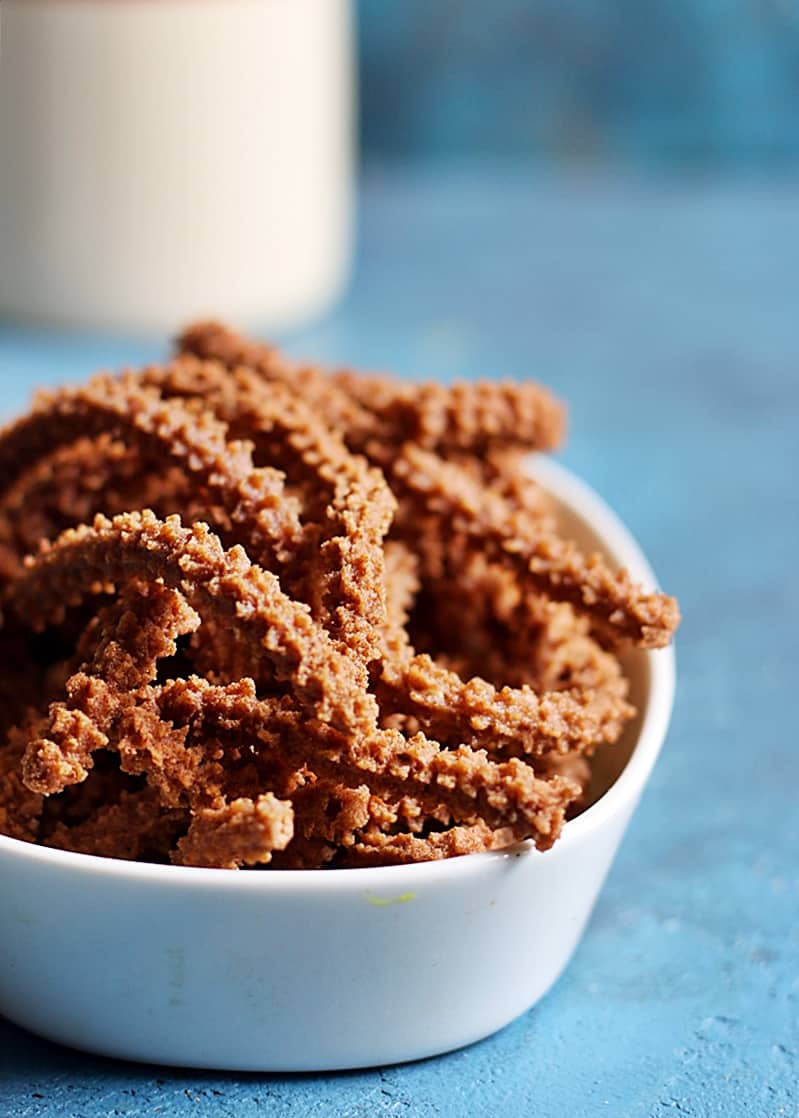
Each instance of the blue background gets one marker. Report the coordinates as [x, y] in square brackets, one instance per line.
[665, 83]
[602, 196]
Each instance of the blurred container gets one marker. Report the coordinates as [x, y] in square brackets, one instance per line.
[163, 160]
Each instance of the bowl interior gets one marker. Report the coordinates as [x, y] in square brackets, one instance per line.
[609, 762]
[597, 529]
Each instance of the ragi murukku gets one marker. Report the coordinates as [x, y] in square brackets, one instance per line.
[267, 615]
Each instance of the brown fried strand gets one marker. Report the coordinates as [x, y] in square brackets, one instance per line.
[548, 563]
[459, 784]
[511, 719]
[254, 496]
[258, 615]
[342, 562]
[279, 631]
[73, 483]
[375, 848]
[497, 791]
[131, 638]
[112, 707]
[339, 553]
[242, 833]
[417, 418]
[379, 412]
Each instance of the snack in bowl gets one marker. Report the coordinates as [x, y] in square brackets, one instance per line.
[255, 614]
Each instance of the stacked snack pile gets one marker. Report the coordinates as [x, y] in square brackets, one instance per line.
[254, 613]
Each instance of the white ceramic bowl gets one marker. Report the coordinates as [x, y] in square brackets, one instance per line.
[316, 970]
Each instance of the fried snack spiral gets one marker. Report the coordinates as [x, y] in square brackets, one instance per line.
[261, 615]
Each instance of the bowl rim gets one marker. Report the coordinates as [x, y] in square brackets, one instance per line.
[585, 502]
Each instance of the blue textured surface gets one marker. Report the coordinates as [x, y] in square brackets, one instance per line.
[667, 315]
[682, 82]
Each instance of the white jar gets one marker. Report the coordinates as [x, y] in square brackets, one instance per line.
[165, 159]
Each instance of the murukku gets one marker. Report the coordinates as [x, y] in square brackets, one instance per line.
[261, 615]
